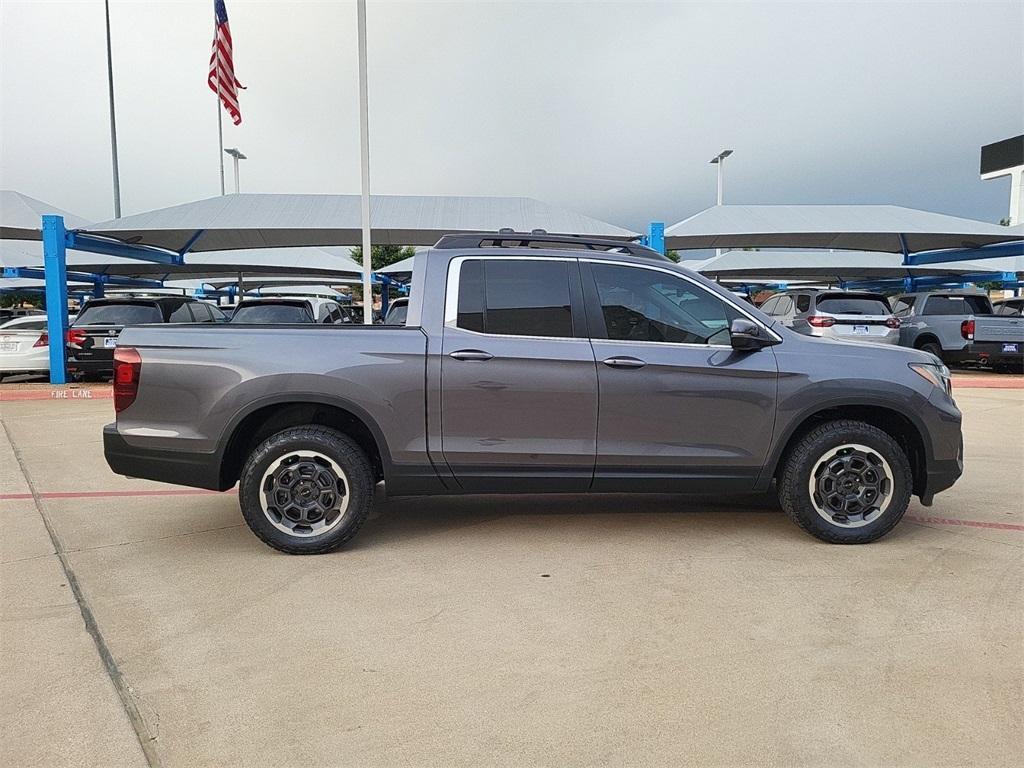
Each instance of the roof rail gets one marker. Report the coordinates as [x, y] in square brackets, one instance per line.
[507, 238]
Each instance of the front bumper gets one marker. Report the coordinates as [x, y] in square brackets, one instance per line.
[196, 470]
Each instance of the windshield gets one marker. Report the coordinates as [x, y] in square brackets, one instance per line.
[119, 314]
[272, 313]
[853, 305]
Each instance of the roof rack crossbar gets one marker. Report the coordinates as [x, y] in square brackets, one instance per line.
[523, 240]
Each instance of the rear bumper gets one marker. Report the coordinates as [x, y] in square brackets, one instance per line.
[96, 365]
[993, 351]
[197, 470]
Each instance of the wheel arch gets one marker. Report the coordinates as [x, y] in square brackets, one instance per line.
[901, 426]
[270, 415]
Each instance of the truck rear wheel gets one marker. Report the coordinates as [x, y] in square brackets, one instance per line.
[846, 482]
[306, 490]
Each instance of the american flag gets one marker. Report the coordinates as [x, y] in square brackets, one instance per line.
[222, 66]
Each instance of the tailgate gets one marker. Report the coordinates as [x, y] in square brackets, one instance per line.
[998, 328]
[93, 342]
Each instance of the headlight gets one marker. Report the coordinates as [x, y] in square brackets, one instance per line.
[936, 373]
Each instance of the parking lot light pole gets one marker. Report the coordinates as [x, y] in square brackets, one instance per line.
[236, 155]
[719, 160]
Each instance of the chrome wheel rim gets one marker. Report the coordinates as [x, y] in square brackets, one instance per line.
[304, 494]
[851, 486]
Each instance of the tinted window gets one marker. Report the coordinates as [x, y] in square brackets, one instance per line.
[24, 325]
[903, 306]
[217, 313]
[769, 306]
[1009, 308]
[201, 312]
[647, 305]
[397, 315]
[803, 302]
[180, 314]
[852, 305]
[119, 314]
[272, 313]
[784, 307]
[957, 305]
[519, 298]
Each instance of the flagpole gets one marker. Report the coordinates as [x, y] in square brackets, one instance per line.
[113, 122]
[220, 137]
[364, 144]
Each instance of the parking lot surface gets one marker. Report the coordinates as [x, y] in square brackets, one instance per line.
[561, 631]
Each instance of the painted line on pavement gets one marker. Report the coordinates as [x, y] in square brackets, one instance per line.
[965, 523]
[112, 494]
[64, 393]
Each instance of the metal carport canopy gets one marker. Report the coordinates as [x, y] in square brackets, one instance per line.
[20, 216]
[298, 262]
[828, 266]
[244, 221]
[888, 228]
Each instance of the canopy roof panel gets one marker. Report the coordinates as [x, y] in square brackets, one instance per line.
[243, 221]
[853, 227]
[827, 266]
[21, 216]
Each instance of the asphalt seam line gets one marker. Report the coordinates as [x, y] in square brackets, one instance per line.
[146, 741]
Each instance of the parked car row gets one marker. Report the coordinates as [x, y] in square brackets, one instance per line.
[955, 326]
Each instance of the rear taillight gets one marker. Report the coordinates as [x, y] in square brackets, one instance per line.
[127, 368]
[76, 336]
[967, 329]
[893, 322]
[821, 321]
[43, 340]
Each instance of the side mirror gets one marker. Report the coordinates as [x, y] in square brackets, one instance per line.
[748, 336]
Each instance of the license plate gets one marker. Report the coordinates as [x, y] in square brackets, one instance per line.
[8, 346]
[110, 342]
[860, 330]
[1010, 347]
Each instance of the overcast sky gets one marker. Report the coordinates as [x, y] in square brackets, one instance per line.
[612, 109]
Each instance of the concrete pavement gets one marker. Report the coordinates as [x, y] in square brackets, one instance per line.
[533, 631]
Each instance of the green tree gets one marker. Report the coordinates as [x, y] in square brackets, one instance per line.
[384, 255]
[673, 256]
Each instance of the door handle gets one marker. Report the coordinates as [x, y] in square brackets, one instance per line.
[471, 354]
[623, 362]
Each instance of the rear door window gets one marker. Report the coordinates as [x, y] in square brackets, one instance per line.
[180, 314]
[515, 297]
[201, 312]
[803, 302]
[119, 314]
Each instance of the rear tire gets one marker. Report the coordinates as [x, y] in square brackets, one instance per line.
[846, 482]
[933, 348]
[306, 490]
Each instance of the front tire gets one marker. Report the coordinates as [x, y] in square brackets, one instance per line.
[846, 482]
[306, 490]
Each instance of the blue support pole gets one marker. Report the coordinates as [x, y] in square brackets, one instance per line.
[656, 236]
[55, 264]
[98, 290]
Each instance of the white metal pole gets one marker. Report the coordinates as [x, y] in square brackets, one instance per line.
[113, 123]
[721, 191]
[236, 173]
[364, 143]
[220, 138]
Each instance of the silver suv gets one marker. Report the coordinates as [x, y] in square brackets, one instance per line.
[845, 315]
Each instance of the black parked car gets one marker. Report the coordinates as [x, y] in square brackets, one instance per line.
[92, 337]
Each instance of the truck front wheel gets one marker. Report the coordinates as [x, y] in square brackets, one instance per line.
[306, 490]
[846, 482]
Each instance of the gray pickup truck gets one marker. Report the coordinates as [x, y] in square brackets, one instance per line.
[535, 364]
[960, 327]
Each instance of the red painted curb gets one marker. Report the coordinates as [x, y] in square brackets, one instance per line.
[61, 393]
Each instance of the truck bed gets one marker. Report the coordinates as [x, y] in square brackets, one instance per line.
[199, 381]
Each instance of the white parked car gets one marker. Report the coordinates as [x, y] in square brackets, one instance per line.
[24, 346]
